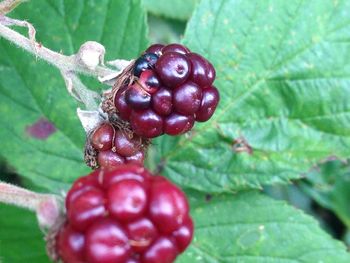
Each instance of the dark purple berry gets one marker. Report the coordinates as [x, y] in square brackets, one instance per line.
[146, 123]
[176, 124]
[151, 59]
[155, 48]
[162, 101]
[209, 103]
[122, 107]
[173, 69]
[175, 48]
[141, 64]
[137, 98]
[203, 72]
[187, 98]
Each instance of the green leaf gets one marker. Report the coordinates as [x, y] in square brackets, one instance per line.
[31, 91]
[329, 185]
[176, 9]
[283, 74]
[20, 238]
[250, 227]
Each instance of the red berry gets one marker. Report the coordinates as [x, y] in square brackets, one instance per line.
[127, 200]
[82, 185]
[175, 48]
[138, 158]
[176, 124]
[107, 242]
[187, 98]
[142, 233]
[146, 123]
[109, 159]
[184, 235]
[162, 101]
[155, 48]
[124, 172]
[137, 98]
[149, 81]
[71, 245]
[126, 146]
[86, 208]
[173, 69]
[168, 206]
[124, 215]
[163, 250]
[209, 103]
[122, 107]
[102, 137]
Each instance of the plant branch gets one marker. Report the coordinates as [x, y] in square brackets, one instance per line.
[62, 62]
[46, 206]
[7, 6]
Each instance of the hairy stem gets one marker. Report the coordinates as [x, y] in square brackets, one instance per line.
[62, 62]
[11, 194]
[7, 6]
[46, 206]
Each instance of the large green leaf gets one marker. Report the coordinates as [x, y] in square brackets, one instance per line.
[250, 227]
[176, 9]
[31, 90]
[283, 72]
[329, 185]
[20, 238]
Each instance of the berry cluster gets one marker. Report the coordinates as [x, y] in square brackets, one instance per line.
[171, 89]
[125, 215]
[115, 146]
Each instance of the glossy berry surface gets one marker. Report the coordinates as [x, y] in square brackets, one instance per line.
[124, 215]
[137, 98]
[174, 89]
[173, 68]
[114, 146]
[102, 137]
[146, 123]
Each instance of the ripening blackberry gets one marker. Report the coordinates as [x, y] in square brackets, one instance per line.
[171, 88]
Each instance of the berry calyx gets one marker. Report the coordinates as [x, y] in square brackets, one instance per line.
[125, 215]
